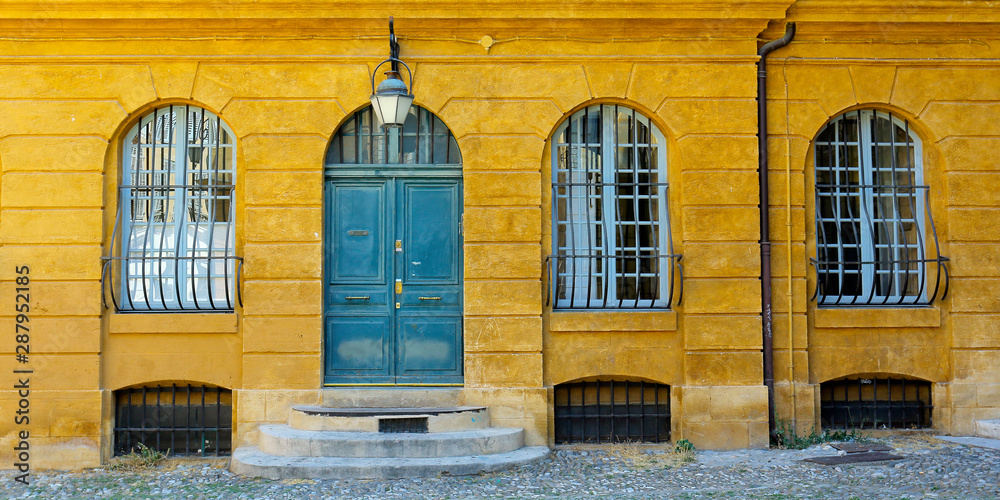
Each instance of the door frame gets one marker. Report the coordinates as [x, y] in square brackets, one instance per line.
[361, 172]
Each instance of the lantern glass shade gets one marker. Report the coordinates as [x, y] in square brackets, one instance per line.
[391, 110]
[392, 102]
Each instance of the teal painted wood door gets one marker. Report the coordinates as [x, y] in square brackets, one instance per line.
[394, 281]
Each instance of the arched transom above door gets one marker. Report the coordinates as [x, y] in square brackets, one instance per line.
[422, 140]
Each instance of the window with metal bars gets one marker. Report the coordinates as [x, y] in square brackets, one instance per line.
[423, 139]
[185, 420]
[874, 229]
[610, 217]
[612, 411]
[875, 403]
[174, 241]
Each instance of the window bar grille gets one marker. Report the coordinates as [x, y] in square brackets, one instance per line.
[642, 415]
[892, 266]
[202, 421]
[623, 266]
[152, 200]
[860, 411]
[572, 224]
[173, 421]
[591, 412]
[208, 424]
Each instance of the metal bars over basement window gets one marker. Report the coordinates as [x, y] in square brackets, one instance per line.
[174, 239]
[611, 224]
[873, 220]
[612, 411]
[875, 403]
[186, 420]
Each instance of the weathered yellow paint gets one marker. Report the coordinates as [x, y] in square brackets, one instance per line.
[722, 332]
[502, 260]
[172, 323]
[501, 298]
[63, 262]
[283, 224]
[503, 369]
[881, 317]
[598, 320]
[502, 224]
[287, 371]
[282, 298]
[68, 97]
[503, 334]
[721, 260]
[282, 334]
[274, 188]
[500, 189]
[283, 260]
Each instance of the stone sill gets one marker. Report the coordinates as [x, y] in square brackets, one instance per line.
[173, 323]
[888, 317]
[613, 321]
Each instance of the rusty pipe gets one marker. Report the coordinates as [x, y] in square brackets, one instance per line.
[767, 323]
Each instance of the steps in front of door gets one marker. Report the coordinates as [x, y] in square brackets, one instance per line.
[253, 462]
[329, 443]
[281, 440]
[320, 418]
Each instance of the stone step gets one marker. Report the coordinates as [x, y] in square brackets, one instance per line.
[369, 419]
[379, 397]
[250, 461]
[988, 428]
[282, 440]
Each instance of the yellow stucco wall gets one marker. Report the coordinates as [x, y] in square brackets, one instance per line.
[74, 80]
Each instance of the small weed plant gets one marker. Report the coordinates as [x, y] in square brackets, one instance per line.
[137, 460]
[785, 437]
[633, 453]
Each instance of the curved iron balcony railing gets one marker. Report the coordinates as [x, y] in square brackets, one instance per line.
[876, 257]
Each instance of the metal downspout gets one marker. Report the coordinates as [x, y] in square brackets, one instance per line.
[767, 323]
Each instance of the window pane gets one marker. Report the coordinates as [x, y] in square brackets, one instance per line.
[179, 212]
[870, 221]
[621, 205]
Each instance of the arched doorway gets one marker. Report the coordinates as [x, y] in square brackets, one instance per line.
[393, 250]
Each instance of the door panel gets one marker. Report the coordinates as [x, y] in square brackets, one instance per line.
[394, 298]
[431, 241]
[358, 232]
[358, 347]
[430, 346]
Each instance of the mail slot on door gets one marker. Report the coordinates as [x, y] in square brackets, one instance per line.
[428, 298]
[358, 298]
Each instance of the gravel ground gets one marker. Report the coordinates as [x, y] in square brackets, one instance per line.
[931, 468]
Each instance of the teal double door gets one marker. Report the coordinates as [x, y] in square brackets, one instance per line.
[393, 308]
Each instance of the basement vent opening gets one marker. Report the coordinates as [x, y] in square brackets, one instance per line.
[875, 403]
[414, 425]
[180, 420]
[612, 411]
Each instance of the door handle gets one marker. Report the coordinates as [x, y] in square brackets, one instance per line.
[363, 297]
[399, 286]
[430, 298]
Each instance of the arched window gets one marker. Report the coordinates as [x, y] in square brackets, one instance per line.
[175, 226]
[422, 140]
[872, 220]
[610, 218]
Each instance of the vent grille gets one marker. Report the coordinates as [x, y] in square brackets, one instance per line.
[414, 425]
